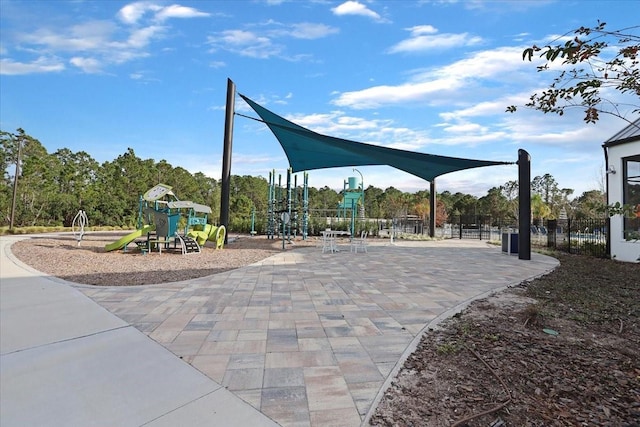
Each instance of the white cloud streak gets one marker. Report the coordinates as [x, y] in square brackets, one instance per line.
[177, 11]
[39, 65]
[310, 31]
[131, 13]
[245, 43]
[356, 8]
[265, 43]
[425, 85]
[429, 43]
[94, 45]
[88, 65]
[134, 12]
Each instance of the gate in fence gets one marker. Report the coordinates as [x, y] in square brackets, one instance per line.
[478, 227]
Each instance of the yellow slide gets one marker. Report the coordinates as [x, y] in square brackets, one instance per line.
[217, 236]
[200, 236]
[212, 233]
[119, 244]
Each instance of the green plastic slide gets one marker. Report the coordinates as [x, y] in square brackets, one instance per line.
[200, 236]
[217, 236]
[211, 233]
[119, 244]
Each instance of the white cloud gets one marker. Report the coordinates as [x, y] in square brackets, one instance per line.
[377, 96]
[243, 38]
[419, 30]
[95, 38]
[143, 76]
[131, 13]
[88, 65]
[485, 108]
[336, 123]
[465, 128]
[426, 85]
[94, 45]
[478, 180]
[141, 38]
[537, 133]
[40, 65]
[422, 43]
[245, 43]
[494, 63]
[263, 43]
[134, 12]
[308, 30]
[177, 11]
[82, 37]
[471, 139]
[355, 8]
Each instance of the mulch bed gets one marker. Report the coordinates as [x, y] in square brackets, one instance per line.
[562, 350]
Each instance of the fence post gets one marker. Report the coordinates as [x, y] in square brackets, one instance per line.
[552, 226]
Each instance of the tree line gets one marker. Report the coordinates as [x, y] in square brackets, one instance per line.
[52, 187]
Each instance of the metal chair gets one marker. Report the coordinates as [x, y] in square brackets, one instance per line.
[359, 243]
[328, 241]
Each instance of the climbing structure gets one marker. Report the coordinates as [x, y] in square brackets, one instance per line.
[352, 203]
[288, 207]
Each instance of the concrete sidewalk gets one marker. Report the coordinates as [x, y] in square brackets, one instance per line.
[66, 361]
[300, 339]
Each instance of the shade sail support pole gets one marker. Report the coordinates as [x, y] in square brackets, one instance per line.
[226, 156]
[524, 205]
[432, 208]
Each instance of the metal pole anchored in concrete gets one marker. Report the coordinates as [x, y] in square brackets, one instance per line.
[524, 205]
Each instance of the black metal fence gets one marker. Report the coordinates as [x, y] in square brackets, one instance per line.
[580, 236]
[474, 227]
[584, 236]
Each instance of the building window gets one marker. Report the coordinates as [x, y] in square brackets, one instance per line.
[631, 191]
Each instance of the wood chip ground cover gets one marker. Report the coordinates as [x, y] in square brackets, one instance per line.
[586, 375]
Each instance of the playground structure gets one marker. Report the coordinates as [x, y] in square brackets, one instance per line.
[77, 225]
[159, 221]
[288, 207]
[352, 201]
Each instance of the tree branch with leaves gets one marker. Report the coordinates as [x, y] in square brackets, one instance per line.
[598, 60]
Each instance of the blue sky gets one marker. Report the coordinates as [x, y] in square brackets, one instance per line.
[428, 76]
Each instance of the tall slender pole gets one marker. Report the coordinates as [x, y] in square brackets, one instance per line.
[289, 172]
[432, 209]
[524, 205]
[361, 192]
[253, 221]
[606, 191]
[226, 156]
[15, 181]
[305, 206]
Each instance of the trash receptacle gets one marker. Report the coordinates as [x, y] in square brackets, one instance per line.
[510, 243]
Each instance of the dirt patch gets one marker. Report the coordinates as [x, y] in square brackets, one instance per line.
[562, 350]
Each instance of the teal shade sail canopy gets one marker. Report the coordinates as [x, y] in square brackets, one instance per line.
[307, 150]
